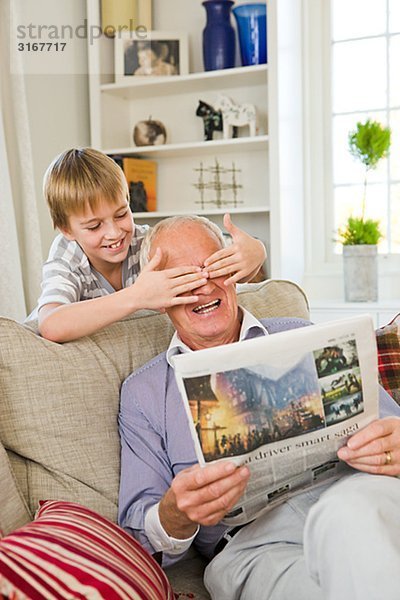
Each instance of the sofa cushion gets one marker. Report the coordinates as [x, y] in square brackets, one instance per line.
[59, 402]
[70, 551]
[13, 509]
[388, 342]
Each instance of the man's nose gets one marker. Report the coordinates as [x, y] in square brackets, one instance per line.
[206, 288]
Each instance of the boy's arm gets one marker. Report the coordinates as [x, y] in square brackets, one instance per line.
[242, 259]
[153, 289]
[67, 322]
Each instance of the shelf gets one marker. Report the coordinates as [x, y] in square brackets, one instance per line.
[271, 164]
[244, 144]
[117, 107]
[195, 82]
[212, 211]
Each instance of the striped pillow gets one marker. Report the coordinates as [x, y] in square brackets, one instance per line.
[70, 552]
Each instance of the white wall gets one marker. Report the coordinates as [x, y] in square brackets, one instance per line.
[58, 106]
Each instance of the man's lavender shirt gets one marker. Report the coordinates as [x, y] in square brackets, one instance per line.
[156, 442]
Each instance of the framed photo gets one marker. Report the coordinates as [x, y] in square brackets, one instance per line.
[150, 54]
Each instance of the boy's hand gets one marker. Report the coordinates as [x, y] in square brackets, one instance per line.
[242, 259]
[158, 290]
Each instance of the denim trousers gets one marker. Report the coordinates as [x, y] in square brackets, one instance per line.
[340, 541]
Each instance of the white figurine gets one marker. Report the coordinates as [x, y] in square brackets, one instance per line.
[236, 115]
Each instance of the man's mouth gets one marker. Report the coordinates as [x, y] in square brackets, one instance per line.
[206, 308]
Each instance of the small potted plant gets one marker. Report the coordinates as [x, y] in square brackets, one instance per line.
[369, 142]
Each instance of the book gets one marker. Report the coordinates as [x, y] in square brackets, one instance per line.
[119, 16]
[283, 404]
[141, 175]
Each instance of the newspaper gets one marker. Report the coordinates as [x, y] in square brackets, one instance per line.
[283, 404]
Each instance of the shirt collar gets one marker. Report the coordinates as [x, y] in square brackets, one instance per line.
[250, 328]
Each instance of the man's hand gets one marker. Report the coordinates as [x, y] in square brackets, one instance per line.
[201, 496]
[157, 290]
[376, 448]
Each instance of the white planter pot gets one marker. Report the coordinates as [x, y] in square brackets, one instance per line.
[360, 268]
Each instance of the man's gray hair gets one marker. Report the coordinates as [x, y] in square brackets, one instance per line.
[170, 224]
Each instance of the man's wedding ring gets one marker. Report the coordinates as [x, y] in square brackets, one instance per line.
[388, 457]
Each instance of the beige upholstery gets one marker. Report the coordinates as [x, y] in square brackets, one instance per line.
[13, 509]
[59, 404]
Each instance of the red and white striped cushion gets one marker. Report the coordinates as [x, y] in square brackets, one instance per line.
[69, 552]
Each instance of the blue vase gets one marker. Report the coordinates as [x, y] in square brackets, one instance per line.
[218, 36]
[251, 22]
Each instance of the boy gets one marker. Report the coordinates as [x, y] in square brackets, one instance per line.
[92, 276]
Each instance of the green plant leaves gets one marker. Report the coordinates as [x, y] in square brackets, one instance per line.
[360, 231]
[369, 142]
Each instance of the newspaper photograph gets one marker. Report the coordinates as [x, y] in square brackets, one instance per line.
[283, 404]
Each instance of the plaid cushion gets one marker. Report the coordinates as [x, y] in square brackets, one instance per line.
[70, 551]
[388, 341]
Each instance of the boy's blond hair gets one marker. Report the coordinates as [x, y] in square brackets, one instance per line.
[79, 178]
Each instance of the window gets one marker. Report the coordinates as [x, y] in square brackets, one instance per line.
[365, 83]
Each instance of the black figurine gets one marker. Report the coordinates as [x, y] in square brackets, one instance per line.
[137, 196]
[212, 119]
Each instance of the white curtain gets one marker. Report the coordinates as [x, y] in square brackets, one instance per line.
[21, 251]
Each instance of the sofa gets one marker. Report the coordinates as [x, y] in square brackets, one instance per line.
[58, 418]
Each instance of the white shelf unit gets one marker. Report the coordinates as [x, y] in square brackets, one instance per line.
[116, 107]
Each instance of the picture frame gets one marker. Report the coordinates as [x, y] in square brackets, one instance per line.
[149, 54]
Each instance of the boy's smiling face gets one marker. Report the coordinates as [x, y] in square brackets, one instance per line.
[104, 234]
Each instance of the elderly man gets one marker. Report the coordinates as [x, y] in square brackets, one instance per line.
[341, 540]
